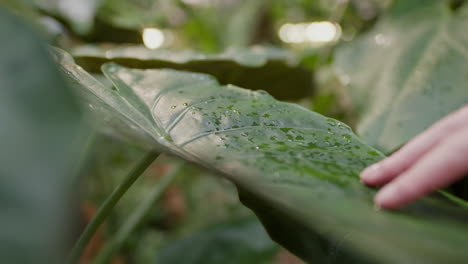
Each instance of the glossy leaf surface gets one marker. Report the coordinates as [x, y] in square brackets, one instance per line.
[296, 169]
[270, 69]
[102, 115]
[408, 71]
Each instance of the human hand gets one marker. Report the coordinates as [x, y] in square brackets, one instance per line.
[434, 159]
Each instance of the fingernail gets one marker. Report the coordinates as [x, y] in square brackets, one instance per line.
[371, 173]
[386, 196]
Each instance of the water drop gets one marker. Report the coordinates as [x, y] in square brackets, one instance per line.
[382, 40]
[165, 138]
[331, 122]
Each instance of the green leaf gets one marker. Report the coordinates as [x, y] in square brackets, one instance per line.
[408, 71]
[121, 126]
[270, 69]
[22, 8]
[133, 14]
[235, 241]
[243, 24]
[296, 169]
[40, 147]
[79, 14]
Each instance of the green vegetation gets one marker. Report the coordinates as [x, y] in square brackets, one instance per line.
[243, 112]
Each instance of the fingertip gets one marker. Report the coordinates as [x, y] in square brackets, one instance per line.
[389, 198]
[371, 174]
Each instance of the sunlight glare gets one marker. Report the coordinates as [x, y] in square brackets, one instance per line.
[153, 38]
[317, 33]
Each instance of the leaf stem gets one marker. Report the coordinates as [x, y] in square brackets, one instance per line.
[137, 217]
[454, 199]
[108, 205]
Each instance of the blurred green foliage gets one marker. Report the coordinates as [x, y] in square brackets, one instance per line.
[423, 76]
[199, 216]
[41, 148]
[203, 26]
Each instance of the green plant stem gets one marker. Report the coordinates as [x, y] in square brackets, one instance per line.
[454, 199]
[137, 217]
[108, 205]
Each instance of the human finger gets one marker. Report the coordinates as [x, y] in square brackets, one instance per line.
[389, 168]
[438, 168]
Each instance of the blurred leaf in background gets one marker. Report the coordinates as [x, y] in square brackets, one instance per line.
[41, 149]
[402, 78]
[78, 14]
[235, 241]
[274, 70]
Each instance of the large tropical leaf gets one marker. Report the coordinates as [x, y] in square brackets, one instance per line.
[270, 69]
[40, 148]
[408, 71]
[296, 169]
[102, 116]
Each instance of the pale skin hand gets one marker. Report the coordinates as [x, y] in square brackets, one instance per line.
[432, 160]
